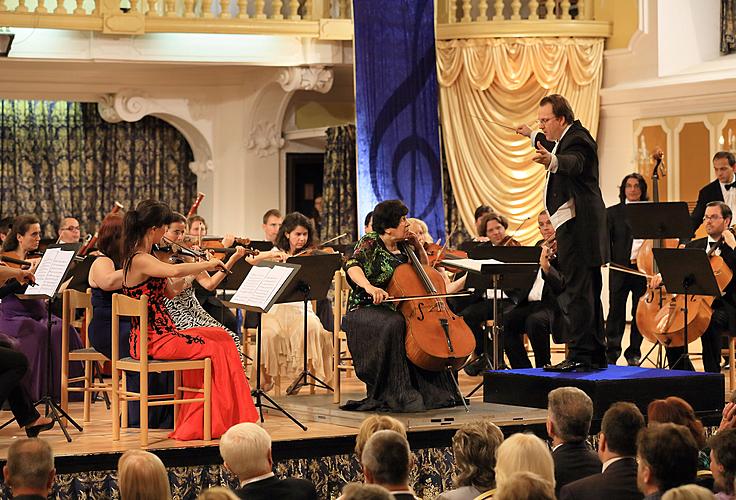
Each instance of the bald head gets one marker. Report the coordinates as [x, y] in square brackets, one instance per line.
[30, 467]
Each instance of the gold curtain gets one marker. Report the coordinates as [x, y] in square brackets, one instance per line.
[502, 80]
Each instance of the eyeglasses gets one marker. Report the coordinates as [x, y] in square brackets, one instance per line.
[71, 228]
[711, 217]
[543, 121]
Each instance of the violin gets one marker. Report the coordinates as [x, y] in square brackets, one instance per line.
[213, 242]
[192, 253]
[7, 259]
[320, 249]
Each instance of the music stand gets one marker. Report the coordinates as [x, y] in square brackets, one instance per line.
[312, 282]
[258, 393]
[657, 221]
[686, 271]
[261, 245]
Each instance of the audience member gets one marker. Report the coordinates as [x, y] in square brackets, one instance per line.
[525, 486]
[246, 451]
[373, 424]
[524, 452]
[29, 470]
[569, 413]
[474, 446]
[386, 461]
[678, 411]
[217, 493]
[689, 492]
[617, 450]
[667, 457]
[723, 463]
[142, 476]
[357, 491]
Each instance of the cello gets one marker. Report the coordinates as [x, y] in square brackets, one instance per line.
[436, 338]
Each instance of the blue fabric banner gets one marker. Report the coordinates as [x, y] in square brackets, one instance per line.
[396, 108]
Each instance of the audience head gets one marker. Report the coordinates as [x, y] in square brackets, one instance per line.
[146, 224]
[688, 492]
[724, 164]
[677, 411]
[69, 230]
[474, 446]
[373, 424]
[142, 476]
[723, 460]
[633, 188]
[272, 221]
[525, 485]
[524, 452]
[109, 238]
[24, 234]
[357, 491]
[621, 424]
[217, 493]
[386, 460]
[30, 467]
[667, 457]
[296, 233]
[569, 413]
[246, 450]
[368, 222]
[389, 215]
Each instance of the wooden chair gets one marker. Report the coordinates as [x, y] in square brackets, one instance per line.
[342, 359]
[138, 308]
[73, 301]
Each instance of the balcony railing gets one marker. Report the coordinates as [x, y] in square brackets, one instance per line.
[322, 19]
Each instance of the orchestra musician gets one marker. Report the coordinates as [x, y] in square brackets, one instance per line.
[283, 326]
[721, 189]
[368, 222]
[717, 219]
[144, 274]
[624, 250]
[573, 200]
[376, 330]
[6, 224]
[493, 227]
[535, 308]
[420, 228]
[272, 221]
[478, 215]
[69, 230]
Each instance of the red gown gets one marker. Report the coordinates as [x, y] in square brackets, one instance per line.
[231, 399]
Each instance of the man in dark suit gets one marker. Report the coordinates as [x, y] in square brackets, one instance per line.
[575, 205]
[246, 451]
[667, 457]
[569, 413]
[721, 189]
[617, 450]
[624, 249]
[29, 470]
[535, 308]
[722, 242]
[386, 461]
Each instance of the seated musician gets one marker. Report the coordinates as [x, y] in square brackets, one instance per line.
[534, 309]
[272, 221]
[26, 320]
[283, 325]
[478, 215]
[184, 308]
[717, 220]
[6, 224]
[419, 227]
[493, 226]
[368, 222]
[69, 230]
[376, 331]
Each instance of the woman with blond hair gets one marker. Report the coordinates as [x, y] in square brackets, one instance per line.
[142, 476]
[688, 492]
[373, 424]
[217, 493]
[474, 446]
[524, 452]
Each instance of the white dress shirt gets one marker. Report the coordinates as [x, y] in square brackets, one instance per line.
[567, 209]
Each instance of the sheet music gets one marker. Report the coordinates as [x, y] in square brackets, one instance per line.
[50, 272]
[261, 285]
[469, 264]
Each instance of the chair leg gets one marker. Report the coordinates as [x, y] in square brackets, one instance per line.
[125, 402]
[144, 409]
[87, 389]
[115, 404]
[177, 395]
[207, 399]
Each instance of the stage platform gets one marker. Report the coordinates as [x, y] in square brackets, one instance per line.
[704, 391]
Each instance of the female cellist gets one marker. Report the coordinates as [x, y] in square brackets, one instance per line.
[376, 331]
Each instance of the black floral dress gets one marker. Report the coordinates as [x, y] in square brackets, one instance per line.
[376, 336]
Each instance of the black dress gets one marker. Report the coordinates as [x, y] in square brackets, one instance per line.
[376, 336]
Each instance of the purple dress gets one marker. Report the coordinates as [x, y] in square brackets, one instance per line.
[25, 321]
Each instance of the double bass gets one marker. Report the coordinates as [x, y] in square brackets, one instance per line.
[436, 338]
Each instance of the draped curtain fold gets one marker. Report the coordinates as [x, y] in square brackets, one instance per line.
[485, 83]
[338, 189]
[61, 158]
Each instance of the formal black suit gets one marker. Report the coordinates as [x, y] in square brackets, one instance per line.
[574, 461]
[709, 192]
[620, 285]
[582, 242]
[722, 320]
[617, 482]
[273, 487]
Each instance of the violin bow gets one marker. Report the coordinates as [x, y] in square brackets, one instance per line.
[422, 297]
[321, 244]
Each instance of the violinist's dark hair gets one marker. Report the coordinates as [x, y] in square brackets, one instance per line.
[21, 224]
[6, 224]
[481, 211]
[560, 107]
[368, 218]
[483, 223]
[642, 185]
[727, 155]
[291, 222]
[109, 238]
[178, 217]
[388, 214]
[147, 214]
[726, 211]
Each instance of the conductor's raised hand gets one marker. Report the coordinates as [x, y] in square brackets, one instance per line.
[524, 130]
[543, 156]
[378, 294]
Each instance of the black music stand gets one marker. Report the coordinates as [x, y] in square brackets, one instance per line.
[312, 282]
[686, 271]
[258, 393]
[657, 221]
[51, 407]
[261, 245]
